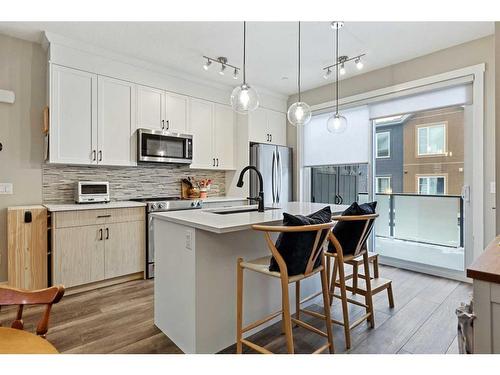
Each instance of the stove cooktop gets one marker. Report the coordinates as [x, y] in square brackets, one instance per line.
[163, 204]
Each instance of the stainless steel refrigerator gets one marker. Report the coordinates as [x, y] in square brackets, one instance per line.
[275, 164]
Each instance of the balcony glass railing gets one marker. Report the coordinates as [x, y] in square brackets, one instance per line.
[423, 229]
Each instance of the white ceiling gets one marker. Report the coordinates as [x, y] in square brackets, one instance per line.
[271, 46]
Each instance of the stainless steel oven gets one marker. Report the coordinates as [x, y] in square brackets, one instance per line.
[160, 146]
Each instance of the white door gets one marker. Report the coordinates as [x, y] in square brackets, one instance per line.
[201, 121]
[176, 113]
[276, 122]
[115, 121]
[73, 116]
[150, 108]
[257, 126]
[224, 137]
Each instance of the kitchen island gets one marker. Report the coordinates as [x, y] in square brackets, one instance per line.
[195, 276]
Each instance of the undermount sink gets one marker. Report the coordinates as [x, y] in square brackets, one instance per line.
[240, 210]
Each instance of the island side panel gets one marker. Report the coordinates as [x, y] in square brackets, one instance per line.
[216, 256]
[174, 291]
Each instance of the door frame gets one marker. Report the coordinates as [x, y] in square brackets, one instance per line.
[472, 74]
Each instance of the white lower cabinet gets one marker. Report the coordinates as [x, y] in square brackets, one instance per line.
[212, 126]
[94, 245]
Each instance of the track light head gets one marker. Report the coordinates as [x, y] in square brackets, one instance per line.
[342, 70]
[207, 64]
[327, 74]
[222, 69]
[359, 63]
[235, 73]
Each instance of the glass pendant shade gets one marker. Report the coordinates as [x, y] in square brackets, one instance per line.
[336, 124]
[244, 99]
[299, 113]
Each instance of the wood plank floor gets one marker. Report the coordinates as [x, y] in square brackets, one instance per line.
[119, 319]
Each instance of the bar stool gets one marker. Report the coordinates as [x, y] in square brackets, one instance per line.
[377, 285]
[339, 260]
[261, 265]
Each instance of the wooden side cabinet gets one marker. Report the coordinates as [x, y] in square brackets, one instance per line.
[90, 246]
[27, 247]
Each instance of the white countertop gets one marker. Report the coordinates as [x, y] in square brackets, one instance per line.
[223, 199]
[206, 219]
[92, 206]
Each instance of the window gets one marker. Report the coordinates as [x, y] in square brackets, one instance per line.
[383, 185]
[431, 140]
[431, 185]
[383, 144]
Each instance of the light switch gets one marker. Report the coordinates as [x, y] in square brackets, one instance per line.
[6, 188]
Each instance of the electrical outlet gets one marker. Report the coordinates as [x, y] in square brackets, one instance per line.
[6, 188]
[189, 240]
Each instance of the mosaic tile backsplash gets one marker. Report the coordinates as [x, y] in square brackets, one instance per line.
[124, 182]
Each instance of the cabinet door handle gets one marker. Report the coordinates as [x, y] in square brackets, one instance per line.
[100, 234]
[267, 137]
[162, 124]
[217, 162]
[270, 137]
[168, 124]
[100, 155]
[102, 216]
[93, 155]
[213, 164]
[107, 233]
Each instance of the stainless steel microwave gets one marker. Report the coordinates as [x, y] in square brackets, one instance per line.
[160, 146]
[91, 192]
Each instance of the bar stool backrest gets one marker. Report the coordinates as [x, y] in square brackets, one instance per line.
[322, 231]
[369, 220]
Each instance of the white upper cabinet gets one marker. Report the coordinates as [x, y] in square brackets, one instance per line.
[116, 121]
[212, 126]
[224, 136]
[176, 118]
[267, 126]
[161, 110]
[201, 121]
[150, 108]
[73, 116]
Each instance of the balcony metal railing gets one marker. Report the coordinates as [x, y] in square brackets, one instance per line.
[427, 219]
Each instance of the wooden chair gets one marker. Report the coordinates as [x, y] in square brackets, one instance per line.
[339, 260]
[49, 296]
[261, 265]
[356, 263]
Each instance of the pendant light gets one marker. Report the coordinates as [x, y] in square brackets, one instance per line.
[299, 112]
[336, 123]
[244, 98]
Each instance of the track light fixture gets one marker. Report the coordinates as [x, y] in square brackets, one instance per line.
[342, 61]
[223, 65]
[359, 63]
[342, 69]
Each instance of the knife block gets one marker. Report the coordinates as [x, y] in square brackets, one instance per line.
[188, 192]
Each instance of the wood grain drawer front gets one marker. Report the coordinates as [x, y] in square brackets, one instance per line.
[123, 215]
[80, 218]
[78, 256]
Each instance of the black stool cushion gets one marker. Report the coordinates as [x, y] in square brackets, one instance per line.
[348, 233]
[295, 248]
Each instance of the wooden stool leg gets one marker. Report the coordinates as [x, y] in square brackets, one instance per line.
[375, 267]
[368, 295]
[390, 296]
[333, 280]
[354, 278]
[343, 294]
[297, 300]
[326, 309]
[286, 315]
[239, 306]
